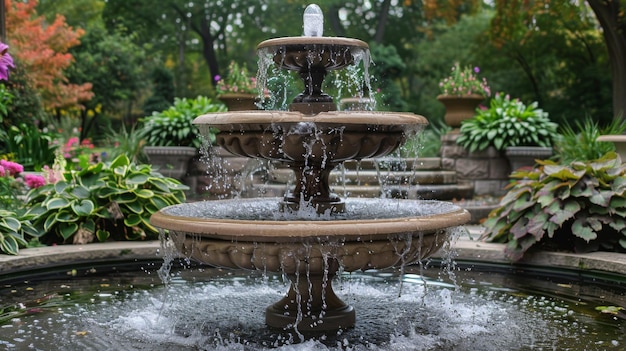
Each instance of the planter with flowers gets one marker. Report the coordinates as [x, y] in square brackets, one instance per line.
[238, 89]
[525, 132]
[461, 93]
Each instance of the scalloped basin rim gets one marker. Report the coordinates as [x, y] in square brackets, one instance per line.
[330, 118]
[297, 230]
[304, 40]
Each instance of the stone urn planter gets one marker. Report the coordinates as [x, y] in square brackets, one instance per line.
[459, 108]
[619, 141]
[525, 156]
[171, 161]
[239, 101]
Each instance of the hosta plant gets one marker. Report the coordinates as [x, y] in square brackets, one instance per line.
[106, 200]
[579, 207]
[15, 231]
[507, 122]
[173, 127]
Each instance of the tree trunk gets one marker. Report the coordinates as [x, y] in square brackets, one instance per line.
[335, 21]
[182, 79]
[208, 51]
[614, 31]
[519, 57]
[382, 22]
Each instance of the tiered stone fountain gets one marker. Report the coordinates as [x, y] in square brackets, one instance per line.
[311, 233]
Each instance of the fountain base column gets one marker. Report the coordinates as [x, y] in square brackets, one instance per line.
[311, 305]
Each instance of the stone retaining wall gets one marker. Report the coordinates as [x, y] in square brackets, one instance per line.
[487, 170]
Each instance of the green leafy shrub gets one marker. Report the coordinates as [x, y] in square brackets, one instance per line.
[579, 207]
[173, 127]
[15, 229]
[6, 99]
[106, 200]
[163, 90]
[507, 123]
[129, 142]
[580, 142]
[28, 145]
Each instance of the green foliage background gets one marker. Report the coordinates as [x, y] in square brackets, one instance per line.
[563, 64]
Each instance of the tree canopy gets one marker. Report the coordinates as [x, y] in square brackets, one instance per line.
[567, 55]
[42, 50]
[518, 22]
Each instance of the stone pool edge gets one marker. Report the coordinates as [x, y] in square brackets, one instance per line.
[467, 247]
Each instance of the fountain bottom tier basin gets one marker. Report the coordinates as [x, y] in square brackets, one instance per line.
[487, 308]
[310, 249]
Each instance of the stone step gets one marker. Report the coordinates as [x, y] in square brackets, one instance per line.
[427, 192]
[372, 191]
[425, 163]
[369, 177]
[445, 192]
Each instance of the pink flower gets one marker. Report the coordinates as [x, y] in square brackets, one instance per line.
[12, 167]
[52, 175]
[34, 181]
[2, 171]
[6, 61]
[70, 143]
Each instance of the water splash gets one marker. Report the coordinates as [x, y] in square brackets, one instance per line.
[487, 314]
[353, 81]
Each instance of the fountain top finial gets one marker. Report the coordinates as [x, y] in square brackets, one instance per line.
[313, 21]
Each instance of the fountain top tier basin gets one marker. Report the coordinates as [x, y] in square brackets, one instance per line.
[311, 53]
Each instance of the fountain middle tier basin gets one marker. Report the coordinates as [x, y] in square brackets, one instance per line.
[328, 137]
[310, 248]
